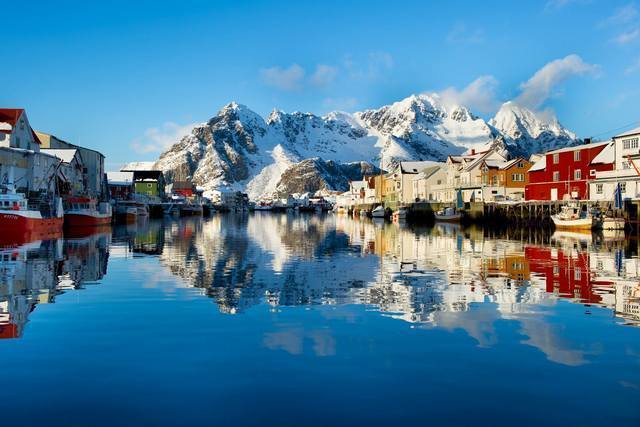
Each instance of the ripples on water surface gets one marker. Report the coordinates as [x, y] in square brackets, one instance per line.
[272, 319]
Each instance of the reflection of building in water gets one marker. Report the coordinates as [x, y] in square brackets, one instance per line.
[28, 276]
[35, 273]
[415, 274]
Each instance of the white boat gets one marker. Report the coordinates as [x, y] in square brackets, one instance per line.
[378, 212]
[572, 217]
[400, 214]
[263, 206]
[448, 214]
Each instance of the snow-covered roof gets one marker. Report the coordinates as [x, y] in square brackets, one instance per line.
[416, 167]
[539, 165]
[359, 185]
[428, 172]
[137, 166]
[635, 131]
[494, 163]
[578, 147]
[120, 178]
[64, 154]
[607, 155]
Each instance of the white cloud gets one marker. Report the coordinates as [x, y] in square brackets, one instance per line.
[461, 34]
[627, 36]
[340, 104]
[633, 68]
[559, 4]
[158, 139]
[479, 95]
[621, 16]
[288, 79]
[324, 75]
[542, 84]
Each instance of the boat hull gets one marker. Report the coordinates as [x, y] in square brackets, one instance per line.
[573, 224]
[80, 220]
[21, 229]
[448, 218]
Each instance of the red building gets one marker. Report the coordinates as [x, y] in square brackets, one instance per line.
[184, 188]
[565, 173]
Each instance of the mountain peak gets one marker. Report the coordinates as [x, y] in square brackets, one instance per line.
[238, 148]
[530, 131]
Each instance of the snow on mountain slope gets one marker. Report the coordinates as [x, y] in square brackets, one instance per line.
[238, 149]
[431, 129]
[527, 132]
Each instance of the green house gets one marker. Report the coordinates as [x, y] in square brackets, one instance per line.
[148, 187]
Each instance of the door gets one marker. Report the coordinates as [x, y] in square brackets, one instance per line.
[554, 194]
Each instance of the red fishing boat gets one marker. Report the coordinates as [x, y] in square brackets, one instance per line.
[20, 224]
[83, 212]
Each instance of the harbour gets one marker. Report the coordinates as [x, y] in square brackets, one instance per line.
[205, 302]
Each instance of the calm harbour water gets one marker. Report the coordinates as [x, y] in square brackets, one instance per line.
[275, 319]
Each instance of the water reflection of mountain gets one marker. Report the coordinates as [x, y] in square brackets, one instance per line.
[35, 273]
[427, 276]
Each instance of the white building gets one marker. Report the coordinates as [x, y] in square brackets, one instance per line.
[465, 173]
[624, 151]
[404, 176]
[430, 184]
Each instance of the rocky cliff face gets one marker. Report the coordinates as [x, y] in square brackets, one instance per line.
[313, 175]
[239, 149]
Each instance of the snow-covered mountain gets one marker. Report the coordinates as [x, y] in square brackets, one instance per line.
[238, 149]
[526, 132]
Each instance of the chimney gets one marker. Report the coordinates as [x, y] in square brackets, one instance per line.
[473, 151]
[587, 140]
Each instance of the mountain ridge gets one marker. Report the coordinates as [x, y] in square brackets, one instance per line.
[239, 149]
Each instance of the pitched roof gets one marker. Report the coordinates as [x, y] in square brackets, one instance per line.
[607, 155]
[64, 154]
[120, 178]
[539, 165]
[137, 166]
[11, 116]
[428, 172]
[416, 167]
[578, 147]
[635, 131]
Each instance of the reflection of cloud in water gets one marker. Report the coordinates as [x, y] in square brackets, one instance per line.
[293, 341]
[478, 324]
[546, 337]
[446, 277]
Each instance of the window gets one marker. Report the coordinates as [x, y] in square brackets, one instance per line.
[517, 177]
[556, 176]
[630, 143]
[598, 188]
[576, 156]
[577, 274]
[520, 165]
[626, 165]
[577, 174]
[623, 187]
[556, 159]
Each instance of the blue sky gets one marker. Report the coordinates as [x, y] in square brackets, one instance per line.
[127, 77]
